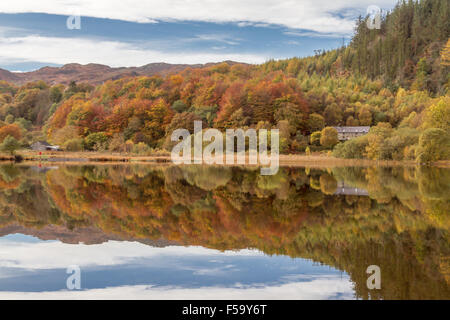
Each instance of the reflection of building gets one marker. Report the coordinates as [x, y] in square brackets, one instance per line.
[43, 169]
[44, 146]
[343, 189]
[347, 133]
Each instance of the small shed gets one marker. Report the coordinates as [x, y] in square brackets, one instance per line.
[43, 146]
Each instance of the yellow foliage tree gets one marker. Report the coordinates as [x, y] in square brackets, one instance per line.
[445, 54]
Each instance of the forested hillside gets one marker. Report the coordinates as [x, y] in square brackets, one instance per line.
[395, 80]
[405, 52]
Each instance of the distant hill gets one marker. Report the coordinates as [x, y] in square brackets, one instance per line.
[94, 73]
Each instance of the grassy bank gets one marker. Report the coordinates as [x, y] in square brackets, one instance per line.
[300, 160]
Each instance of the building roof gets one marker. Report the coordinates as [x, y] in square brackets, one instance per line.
[45, 143]
[352, 129]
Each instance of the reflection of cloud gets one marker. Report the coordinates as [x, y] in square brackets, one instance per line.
[52, 255]
[113, 53]
[8, 31]
[216, 274]
[213, 271]
[318, 289]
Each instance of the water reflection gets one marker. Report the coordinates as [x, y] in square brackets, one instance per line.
[135, 217]
[133, 270]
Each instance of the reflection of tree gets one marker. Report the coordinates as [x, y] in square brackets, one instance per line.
[328, 184]
[434, 186]
[402, 226]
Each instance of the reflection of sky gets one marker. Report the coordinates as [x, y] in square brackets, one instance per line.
[31, 268]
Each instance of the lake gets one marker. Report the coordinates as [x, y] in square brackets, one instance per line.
[207, 232]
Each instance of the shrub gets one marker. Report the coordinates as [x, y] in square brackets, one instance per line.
[10, 144]
[117, 143]
[73, 145]
[394, 147]
[308, 151]
[352, 149]
[96, 141]
[314, 139]
[141, 148]
[434, 145]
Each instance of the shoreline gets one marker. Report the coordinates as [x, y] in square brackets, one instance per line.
[285, 160]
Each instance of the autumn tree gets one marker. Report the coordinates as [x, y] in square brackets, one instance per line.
[445, 54]
[333, 114]
[438, 114]
[315, 122]
[12, 130]
[365, 116]
[434, 145]
[329, 137]
[315, 138]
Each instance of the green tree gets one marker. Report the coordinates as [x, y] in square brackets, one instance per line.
[352, 149]
[179, 106]
[10, 144]
[23, 123]
[56, 93]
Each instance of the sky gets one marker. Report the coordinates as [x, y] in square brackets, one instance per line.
[119, 33]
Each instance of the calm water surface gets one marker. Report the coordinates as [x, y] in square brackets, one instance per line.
[195, 232]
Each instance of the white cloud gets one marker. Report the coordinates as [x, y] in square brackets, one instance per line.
[313, 34]
[51, 255]
[112, 53]
[214, 37]
[319, 288]
[315, 15]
